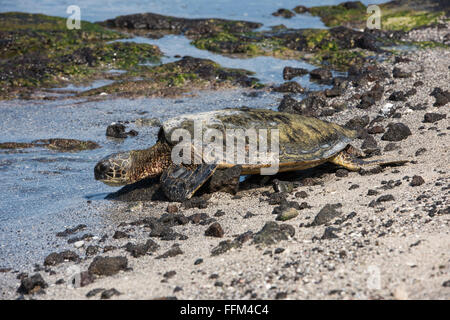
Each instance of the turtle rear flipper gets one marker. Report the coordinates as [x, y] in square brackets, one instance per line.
[350, 162]
[179, 182]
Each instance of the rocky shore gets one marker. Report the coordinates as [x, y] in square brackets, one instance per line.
[323, 233]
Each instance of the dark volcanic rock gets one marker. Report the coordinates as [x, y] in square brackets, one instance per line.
[159, 23]
[196, 202]
[214, 230]
[397, 96]
[396, 132]
[321, 75]
[369, 143]
[326, 214]
[386, 198]
[271, 233]
[225, 246]
[370, 97]
[398, 73]
[300, 9]
[290, 72]
[120, 235]
[137, 250]
[226, 180]
[108, 266]
[433, 117]
[329, 233]
[70, 231]
[107, 294]
[285, 13]
[310, 106]
[288, 104]
[290, 86]
[55, 258]
[416, 181]
[375, 130]
[65, 145]
[442, 97]
[356, 123]
[198, 217]
[86, 278]
[172, 252]
[33, 284]
[92, 250]
[116, 130]
[94, 292]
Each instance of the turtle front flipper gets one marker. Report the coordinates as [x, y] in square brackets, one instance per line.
[180, 182]
[350, 162]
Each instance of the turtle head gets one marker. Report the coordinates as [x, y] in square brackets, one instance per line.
[128, 167]
[115, 169]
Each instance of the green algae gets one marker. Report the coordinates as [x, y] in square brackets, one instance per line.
[339, 15]
[40, 52]
[395, 15]
[175, 78]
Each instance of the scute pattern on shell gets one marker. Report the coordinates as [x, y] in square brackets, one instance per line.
[302, 139]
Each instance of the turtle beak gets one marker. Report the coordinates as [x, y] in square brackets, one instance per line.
[114, 170]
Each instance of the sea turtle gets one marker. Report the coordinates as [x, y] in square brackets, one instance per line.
[304, 142]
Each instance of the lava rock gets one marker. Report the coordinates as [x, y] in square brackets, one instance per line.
[321, 75]
[214, 230]
[291, 86]
[55, 258]
[341, 173]
[356, 123]
[108, 266]
[33, 284]
[92, 250]
[300, 9]
[172, 252]
[442, 97]
[369, 143]
[433, 117]
[375, 130]
[290, 72]
[225, 180]
[329, 233]
[120, 235]
[397, 96]
[172, 208]
[285, 13]
[107, 294]
[417, 181]
[326, 214]
[272, 233]
[287, 214]
[70, 231]
[94, 292]
[116, 130]
[398, 73]
[137, 250]
[396, 132]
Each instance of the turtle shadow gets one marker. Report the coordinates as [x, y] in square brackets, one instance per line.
[225, 181]
[144, 190]
[307, 177]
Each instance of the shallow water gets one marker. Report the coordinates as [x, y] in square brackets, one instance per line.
[42, 191]
[250, 10]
